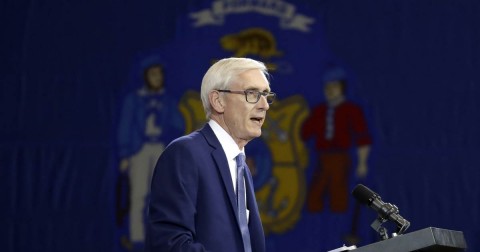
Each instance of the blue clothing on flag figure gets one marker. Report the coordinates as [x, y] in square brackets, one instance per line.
[149, 120]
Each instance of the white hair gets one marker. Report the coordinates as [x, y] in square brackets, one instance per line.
[221, 74]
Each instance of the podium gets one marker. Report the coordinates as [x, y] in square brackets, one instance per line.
[425, 240]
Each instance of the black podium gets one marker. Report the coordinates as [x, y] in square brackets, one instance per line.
[426, 240]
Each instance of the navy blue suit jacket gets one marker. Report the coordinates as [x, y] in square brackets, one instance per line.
[192, 205]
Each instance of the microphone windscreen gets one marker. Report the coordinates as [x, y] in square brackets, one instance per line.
[363, 194]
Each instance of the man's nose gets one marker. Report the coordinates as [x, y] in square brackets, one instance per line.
[263, 103]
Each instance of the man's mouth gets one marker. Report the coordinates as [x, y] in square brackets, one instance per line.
[257, 119]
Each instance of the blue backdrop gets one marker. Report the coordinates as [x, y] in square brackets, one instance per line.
[66, 66]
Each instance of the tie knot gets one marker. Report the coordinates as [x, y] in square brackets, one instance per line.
[240, 159]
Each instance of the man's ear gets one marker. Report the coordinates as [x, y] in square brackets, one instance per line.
[216, 101]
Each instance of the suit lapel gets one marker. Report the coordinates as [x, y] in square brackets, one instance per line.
[257, 236]
[251, 202]
[222, 165]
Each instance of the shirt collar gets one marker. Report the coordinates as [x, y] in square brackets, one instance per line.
[228, 144]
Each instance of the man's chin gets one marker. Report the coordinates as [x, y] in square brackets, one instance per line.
[257, 133]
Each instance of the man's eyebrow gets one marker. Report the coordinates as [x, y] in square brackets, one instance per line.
[257, 89]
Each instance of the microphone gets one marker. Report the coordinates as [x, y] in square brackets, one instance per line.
[386, 211]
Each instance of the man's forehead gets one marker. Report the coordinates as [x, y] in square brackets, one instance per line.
[255, 80]
[261, 86]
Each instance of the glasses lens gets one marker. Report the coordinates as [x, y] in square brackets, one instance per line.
[252, 96]
[270, 98]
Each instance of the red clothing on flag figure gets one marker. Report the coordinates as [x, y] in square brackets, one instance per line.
[336, 125]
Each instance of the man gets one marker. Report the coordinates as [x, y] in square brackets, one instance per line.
[148, 121]
[336, 125]
[202, 196]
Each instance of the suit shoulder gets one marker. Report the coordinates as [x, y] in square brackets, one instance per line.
[192, 140]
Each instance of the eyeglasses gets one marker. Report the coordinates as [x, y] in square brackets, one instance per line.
[253, 96]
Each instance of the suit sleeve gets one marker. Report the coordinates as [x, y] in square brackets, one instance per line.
[171, 218]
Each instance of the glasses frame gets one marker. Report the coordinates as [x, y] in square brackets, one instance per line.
[246, 92]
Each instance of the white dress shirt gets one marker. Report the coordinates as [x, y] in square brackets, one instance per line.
[231, 151]
[229, 147]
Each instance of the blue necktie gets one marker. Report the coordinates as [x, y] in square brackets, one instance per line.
[242, 209]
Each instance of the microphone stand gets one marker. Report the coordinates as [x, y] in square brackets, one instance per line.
[381, 230]
[387, 210]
